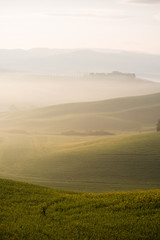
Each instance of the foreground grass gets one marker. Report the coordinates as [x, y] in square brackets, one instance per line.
[32, 212]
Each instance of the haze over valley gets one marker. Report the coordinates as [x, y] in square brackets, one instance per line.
[80, 120]
[54, 103]
[19, 91]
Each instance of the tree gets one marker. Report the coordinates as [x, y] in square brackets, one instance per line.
[158, 126]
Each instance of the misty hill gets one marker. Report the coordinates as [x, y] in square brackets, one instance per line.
[122, 114]
[107, 106]
[26, 91]
[67, 61]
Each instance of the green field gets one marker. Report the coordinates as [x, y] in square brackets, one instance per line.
[93, 163]
[114, 170]
[32, 212]
[34, 147]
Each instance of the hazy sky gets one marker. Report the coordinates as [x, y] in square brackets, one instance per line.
[118, 24]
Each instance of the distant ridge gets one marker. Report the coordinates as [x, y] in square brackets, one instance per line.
[65, 61]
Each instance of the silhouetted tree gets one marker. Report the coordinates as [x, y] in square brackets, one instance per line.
[158, 126]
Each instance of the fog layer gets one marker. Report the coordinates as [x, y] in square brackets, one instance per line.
[22, 91]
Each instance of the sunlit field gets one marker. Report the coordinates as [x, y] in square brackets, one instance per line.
[85, 163]
[79, 120]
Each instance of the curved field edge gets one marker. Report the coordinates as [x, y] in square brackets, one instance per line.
[138, 113]
[33, 212]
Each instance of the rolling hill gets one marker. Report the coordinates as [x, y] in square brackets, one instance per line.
[34, 145]
[138, 113]
[93, 163]
[34, 212]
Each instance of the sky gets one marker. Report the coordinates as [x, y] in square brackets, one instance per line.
[131, 25]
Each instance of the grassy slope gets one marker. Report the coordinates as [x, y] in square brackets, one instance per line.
[122, 114]
[83, 163]
[71, 215]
